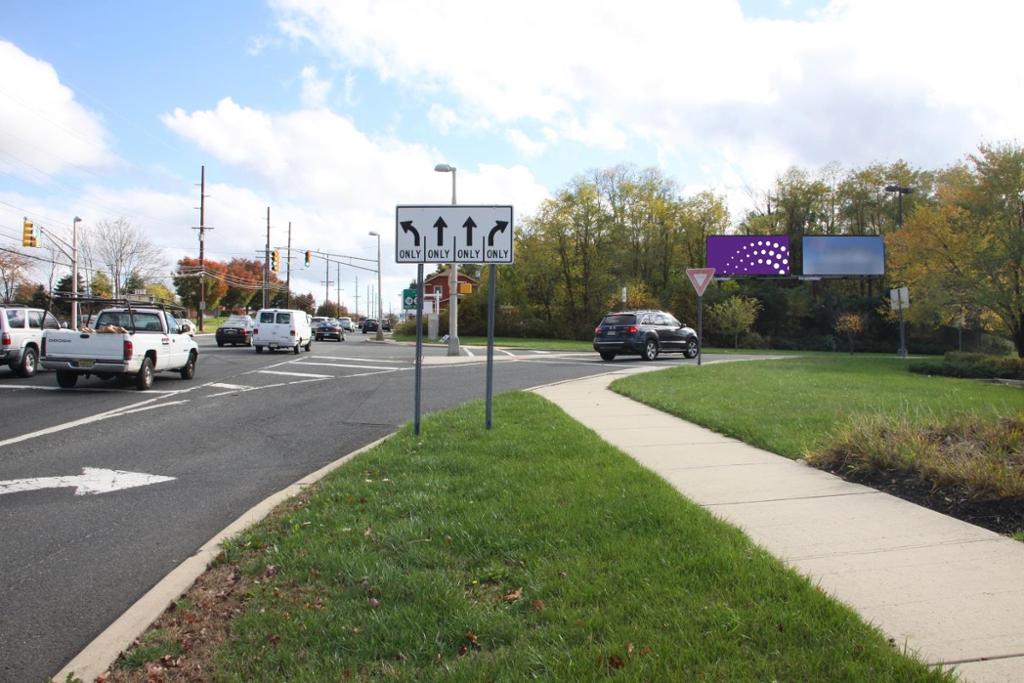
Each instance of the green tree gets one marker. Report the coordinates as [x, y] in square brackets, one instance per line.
[734, 316]
[850, 325]
[100, 285]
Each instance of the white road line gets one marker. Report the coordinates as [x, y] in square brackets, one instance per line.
[106, 390]
[373, 360]
[77, 423]
[222, 385]
[368, 374]
[158, 405]
[507, 353]
[468, 352]
[349, 365]
[292, 374]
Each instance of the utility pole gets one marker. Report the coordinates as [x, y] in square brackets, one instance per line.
[288, 270]
[266, 266]
[202, 244]
[327, 281]
[337, 281]
[357, 297]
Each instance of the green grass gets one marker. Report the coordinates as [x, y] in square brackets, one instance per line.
[791, 406]
[153, 646]
[1018, 535]
[534, 550]
[210, 324]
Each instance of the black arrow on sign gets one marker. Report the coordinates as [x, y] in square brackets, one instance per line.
[440, 225]
[407, 228]
[469, 225]
[499, 226]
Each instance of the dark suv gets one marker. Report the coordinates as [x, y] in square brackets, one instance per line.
[646, 333]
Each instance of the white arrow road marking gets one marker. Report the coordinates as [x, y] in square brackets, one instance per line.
[92, 480]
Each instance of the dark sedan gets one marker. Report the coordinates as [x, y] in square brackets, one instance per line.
[332, 329]
[370, 325]
[236, 330]
[643, 333]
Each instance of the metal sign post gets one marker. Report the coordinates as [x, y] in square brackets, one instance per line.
[492, 286]
[700, 278]
[899, 299]
[419, 347]
[453, 234]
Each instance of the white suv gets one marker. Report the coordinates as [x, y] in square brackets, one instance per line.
[21, 331]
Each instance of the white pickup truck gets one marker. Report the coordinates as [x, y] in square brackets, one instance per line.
[135, 343]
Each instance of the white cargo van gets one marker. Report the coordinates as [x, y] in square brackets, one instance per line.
[282, 328]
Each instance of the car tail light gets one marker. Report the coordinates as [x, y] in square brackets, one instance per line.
[5, 339]
[128, 349]
[633, 329]
[597, 330]
[291, 332]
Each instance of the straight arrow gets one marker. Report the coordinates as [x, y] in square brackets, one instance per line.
[469, 225]
[499, 226]
[440, 225]
[91, 481]
[407, 228]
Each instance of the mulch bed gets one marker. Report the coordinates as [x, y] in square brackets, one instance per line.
[1002, 516]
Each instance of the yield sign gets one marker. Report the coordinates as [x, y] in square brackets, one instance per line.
[700, 278]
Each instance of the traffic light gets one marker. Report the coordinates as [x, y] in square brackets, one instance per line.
[275, 261]
[28, 235]
[309, 258]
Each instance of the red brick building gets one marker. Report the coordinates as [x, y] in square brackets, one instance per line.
[438, 282]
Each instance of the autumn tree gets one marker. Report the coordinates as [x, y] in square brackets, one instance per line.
[967, 250]
[850, 325]
[14, 268]
[186, 282]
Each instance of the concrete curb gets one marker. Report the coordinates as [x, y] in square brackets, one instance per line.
[99, 655]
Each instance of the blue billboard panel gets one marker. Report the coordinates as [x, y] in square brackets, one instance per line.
[748, 255]
[844, 255]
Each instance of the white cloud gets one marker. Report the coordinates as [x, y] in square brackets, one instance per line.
[522, 142]
[334, 182]
[859, 81]
[314, 89]
[442, 118]
[44, 130]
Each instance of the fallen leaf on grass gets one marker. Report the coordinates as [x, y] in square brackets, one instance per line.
[274, 639]
[615, 662]
[463, 650]
[374, 603]
[513, 596]
[471, 637]
[629, 648]
[645, 650]
[270, 571]
[537, 605]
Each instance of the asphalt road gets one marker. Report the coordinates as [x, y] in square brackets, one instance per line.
[247, 426]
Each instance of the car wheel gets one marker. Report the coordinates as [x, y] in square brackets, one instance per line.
[608, 355]
[66, 380]
[650, 349]
[690, 351]
[309, 345]
[319, 338]
[29, 361]
[189, 371]
[259, 349]
[296, 349]
[144, 377]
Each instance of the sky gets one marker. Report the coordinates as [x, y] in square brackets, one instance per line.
[331, 113]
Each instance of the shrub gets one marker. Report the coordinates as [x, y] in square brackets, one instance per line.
[973, 365]
[983, 457]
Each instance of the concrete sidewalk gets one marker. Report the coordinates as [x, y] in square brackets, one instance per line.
[949, 590]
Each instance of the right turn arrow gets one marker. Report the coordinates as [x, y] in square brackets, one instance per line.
[499, 226]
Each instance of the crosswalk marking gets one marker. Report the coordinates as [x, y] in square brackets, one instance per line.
[375, 360]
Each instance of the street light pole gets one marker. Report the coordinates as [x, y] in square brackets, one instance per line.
[453, 281]
[900, 191]
[74, 272]
[380, 303]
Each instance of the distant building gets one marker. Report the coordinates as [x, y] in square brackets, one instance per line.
[438, 283]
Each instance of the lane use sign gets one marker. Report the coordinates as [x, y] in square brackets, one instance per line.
[453, 234]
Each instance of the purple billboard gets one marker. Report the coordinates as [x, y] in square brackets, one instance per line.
[748, 254]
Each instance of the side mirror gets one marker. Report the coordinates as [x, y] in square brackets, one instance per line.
[63, 326]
